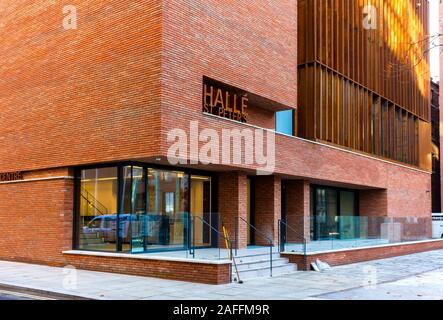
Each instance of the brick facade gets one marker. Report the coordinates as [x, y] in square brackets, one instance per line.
[297, 210]
[111, 91]
[36, 218]
[232, 199]
[175, 270]
[267, 209]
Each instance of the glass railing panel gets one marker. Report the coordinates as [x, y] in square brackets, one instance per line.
[180, 236]
[159, 233]
[208, 238]
[347, 232]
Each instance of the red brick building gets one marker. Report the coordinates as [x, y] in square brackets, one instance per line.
[85, 115]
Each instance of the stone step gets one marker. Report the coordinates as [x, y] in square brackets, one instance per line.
[261, 264]
[265, 272]
[256, 257]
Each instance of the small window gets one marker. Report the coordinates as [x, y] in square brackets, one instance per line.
[285, 122]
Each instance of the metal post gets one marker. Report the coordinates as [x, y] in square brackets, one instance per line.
[231, 258]
[270, 247]
[187, 238]
[236, 238]
[193, 238]
[305, 257]
[279, 237]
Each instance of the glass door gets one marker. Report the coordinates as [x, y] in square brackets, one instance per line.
[335, 214]
[201, 211]
[326, 219]
[349, 222]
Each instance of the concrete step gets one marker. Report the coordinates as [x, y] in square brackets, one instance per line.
[245, 258]
[261, 264]
[265, 272]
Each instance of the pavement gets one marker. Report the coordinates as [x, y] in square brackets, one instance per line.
[417, 276]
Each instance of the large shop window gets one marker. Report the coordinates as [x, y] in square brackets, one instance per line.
[98, 209]
[140, 209]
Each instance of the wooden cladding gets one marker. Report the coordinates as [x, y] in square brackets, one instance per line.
[365, 88]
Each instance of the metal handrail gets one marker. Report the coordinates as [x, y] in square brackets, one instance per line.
[271, 242]
[212, 228]
[220, 234]
[215, 230]
[288, 226]
[260, 232]
[280, 223]
[94, 202]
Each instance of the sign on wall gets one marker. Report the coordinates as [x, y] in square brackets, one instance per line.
[11, 176]
[225, 101]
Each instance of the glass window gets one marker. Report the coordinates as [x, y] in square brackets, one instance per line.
[98, 209]
[285, 122]
[167, 219]
[133, 209]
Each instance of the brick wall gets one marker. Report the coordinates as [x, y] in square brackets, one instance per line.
[79, 96]
[232, 199]
[267, 208]
[174, 270]
[36, 218]
[297, 210]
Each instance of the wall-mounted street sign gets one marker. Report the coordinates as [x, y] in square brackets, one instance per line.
[11, 176]
[224, 100]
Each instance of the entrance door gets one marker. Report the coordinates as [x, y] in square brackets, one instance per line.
[326, 215]
[201, 210]
[349, 222]
[334, 214]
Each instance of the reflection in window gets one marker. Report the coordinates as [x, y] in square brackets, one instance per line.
[168, 193]
[169, 202]
[98, 209]
[133, 209]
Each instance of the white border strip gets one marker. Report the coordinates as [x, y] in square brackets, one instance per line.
[142, 256]
[38, 179]
[390, 245]
[319, 144]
